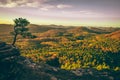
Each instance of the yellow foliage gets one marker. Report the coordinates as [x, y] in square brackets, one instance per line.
[102, 66]
[117, 68]
[53, 44]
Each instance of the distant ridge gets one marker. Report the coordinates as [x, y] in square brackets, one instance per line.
[72, 29]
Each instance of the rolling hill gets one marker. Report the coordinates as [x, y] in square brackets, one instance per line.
[43, 28]
[114, 35]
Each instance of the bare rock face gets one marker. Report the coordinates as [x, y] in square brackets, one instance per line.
[7, 51]
[21, 68]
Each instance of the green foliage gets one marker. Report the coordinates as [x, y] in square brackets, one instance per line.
[21, 29]
[87, 53]
[20, 26]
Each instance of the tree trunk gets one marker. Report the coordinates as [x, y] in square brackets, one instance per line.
[15, 37]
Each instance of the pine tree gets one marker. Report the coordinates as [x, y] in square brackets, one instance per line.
[21, 29]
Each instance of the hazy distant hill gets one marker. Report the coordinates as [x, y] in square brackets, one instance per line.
[39, 28]
[32, 27]
[70, 29]
[43, 28]
[104, 29]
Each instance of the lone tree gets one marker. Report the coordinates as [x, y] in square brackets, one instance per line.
[21, 29]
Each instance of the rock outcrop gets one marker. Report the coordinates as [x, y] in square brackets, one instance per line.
[21, 68]
[7, 51]
[14, 67]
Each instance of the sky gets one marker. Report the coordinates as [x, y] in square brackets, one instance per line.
[62, 12]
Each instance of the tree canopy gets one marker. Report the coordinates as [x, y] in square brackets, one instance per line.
[21, 29]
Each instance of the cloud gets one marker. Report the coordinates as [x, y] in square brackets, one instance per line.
[8, 5]
[87, 12]
[61, 6]
[46, 7]
[33, 4]
[18, 1]
[43, 5]
[11, 3]
[82, 13]
[21, 3]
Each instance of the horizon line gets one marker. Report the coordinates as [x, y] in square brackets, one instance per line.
[62, 25]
